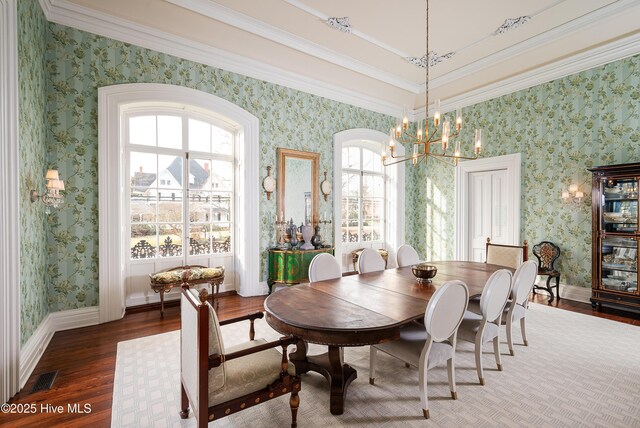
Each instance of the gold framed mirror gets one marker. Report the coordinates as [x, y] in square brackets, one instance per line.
[298, 185]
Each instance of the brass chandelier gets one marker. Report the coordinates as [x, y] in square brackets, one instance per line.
[422, 140]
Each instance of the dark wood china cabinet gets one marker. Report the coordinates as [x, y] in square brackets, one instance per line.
[615, 236]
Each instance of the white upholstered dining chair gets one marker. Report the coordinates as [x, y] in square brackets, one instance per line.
[516, 308]
[407, 256]
[370, 261]
[323, 267]
[485, 326]
[432, 344]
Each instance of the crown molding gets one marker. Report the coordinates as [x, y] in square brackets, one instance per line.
[90, 20]
[619, 49]
[244, 22]
[580, 23]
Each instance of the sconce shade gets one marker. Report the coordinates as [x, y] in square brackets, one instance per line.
[52, 174]
[53, 183]
[60, 185]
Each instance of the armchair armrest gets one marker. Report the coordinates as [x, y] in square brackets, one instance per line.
[216, 360]
[251, 317]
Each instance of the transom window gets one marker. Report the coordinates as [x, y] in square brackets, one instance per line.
[181, 184]
[363, 195]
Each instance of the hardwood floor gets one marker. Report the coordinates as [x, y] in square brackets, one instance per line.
[85, 359]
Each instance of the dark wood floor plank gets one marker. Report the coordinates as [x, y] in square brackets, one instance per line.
[86, 359]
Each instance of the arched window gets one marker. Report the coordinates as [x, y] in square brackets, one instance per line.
[363, 210]
[177, 168]
[369, 208]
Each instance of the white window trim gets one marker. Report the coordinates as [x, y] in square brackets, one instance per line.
[9, 209]
[111, 100]
[394, 227]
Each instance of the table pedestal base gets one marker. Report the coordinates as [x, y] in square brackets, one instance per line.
[332, 367]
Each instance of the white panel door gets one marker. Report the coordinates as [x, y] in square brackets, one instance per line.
[488, 211]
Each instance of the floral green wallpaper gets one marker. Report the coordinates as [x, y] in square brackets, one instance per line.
[78, 63]
[32, 151]
[561, 128]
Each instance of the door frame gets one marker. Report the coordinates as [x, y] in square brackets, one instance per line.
[509, 162]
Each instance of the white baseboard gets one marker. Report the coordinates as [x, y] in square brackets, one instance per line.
[32, 351]
[570, 292]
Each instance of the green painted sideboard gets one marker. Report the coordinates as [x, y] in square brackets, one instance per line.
[291, 266]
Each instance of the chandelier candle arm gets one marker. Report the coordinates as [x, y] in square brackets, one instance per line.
[421, 137]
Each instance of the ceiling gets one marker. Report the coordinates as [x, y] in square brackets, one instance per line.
[293, 38]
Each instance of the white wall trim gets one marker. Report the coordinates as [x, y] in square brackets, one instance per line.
[9, 208]
[396, 174]
[509, 162]
[571, 292]
[247, 23]
[552, 35]
[111, 101]
[32, 351]
[90, 20]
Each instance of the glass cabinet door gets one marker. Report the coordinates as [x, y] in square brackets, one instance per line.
[620, 206]
[620, 264]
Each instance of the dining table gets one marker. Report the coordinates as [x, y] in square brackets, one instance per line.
[358, 310]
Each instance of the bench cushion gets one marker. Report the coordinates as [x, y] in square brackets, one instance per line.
[175, 276]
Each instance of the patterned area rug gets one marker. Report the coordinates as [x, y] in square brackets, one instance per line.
[577, 371]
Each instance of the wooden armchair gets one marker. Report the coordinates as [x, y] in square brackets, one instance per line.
[507, 255]
[218, 381]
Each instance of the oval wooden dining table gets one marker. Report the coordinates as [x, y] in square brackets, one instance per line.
[358, 310]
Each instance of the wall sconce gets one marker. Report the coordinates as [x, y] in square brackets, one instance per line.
[573, 196]
[52, 196]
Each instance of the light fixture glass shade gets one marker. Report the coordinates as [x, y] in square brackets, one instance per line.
[52, 174]
[61, 185]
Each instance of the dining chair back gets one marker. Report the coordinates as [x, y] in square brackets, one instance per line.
[516, 309]
[485, 327]
[323, 267]
[432, 344]
[407, 256]
[370, 261]
[506, 255]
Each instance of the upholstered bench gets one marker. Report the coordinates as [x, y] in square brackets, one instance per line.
[355, 255]
[190, 275]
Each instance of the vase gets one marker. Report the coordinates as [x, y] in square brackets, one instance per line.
[307, 234]
[316, 239]
[293, 240]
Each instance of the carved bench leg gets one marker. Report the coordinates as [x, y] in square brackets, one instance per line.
[162, 302]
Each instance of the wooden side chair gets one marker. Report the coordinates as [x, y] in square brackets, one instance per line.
[507, 255]
[218, 381]
[547, 253]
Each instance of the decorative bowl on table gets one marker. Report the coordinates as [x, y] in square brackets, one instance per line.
[424, 272]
